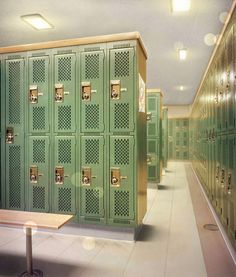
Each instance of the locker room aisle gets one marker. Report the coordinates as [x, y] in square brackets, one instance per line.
[169, 244]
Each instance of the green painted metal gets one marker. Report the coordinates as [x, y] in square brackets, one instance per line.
[165, 137]
[154, 135]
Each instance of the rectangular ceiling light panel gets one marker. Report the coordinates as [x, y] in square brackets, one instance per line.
[181, 5]
[37, 21]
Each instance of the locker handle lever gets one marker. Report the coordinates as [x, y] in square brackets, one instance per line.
[66, 176]
[94, 177]
[40, 174]
[123, 177]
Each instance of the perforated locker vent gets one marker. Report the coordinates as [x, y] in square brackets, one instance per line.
[92, 66]
[39, 151]
[38, 71]
[64, 151]
[121, 116]
[231, 154]
[152, 169]
[92, 151]
[121, 151]
[14, 92]
[64, 117]
[122, 64]
[64, 200]
[39, 120]
[92, 201]
[152, 146]
[39, 198]
[14, 177]
[64, 68]
[121, 203]
[92, 116]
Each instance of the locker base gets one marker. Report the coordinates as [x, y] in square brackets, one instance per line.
[35, 273]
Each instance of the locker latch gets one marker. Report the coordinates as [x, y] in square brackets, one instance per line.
[86, 91]
[33, 94]
[149, 116]
[115, 89]
[86, 176]
[115, 177]
[59, 175]
[34, 174]
[9, 135]
[149, 159]
[59, 92]
[229, 183]
[222, 177]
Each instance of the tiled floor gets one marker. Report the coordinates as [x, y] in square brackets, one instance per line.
[169, 244]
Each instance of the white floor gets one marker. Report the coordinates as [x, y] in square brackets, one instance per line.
[169, 245]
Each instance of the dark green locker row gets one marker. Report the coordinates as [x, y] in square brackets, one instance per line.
[165, 135]
[213, 131]
[71, 131]
[154, 135]
[178, 138]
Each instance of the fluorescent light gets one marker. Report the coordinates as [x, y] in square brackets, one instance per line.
[37, 21]
[182, 54]
[181, 5]
[181, 88]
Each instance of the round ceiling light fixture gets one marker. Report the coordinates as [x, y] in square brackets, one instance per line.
[210, 39]
[223, 17]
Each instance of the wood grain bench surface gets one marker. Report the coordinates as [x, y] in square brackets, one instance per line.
[32, 219]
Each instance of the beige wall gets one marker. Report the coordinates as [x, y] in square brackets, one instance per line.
[178, 111]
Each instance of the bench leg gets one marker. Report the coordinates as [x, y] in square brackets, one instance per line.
[29, 257]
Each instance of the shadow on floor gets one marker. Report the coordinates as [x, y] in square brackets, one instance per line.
[13, 265]
[152, 185]
[147, 233]
[169, 171]
[163, 187]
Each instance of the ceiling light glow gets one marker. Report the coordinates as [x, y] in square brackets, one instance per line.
[181, 88]
[182, 54]
[181, 5]
[37, 21]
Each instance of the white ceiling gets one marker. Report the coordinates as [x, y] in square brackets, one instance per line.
[159, 28]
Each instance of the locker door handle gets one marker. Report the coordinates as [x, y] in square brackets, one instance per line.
[123, 177]
[9, 135]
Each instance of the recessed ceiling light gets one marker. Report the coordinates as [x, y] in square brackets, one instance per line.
[181, 5]
[181, 88]
[37, 21]
[182, 54]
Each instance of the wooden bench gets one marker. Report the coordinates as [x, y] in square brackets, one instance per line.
[32, 220]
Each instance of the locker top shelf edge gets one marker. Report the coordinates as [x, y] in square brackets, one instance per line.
[75, 42]
[155, 90]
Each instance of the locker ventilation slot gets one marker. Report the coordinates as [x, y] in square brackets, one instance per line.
[152, 146]
[39, 198]
[64, 69]
[14, 93]
[92, 116]
[14, 177]
[151, 104]
[39, 151]
[64, 151]
[121, 203]
[122, 64]
[151, 129]
[152, 171]
[64, 117]
[122, 116]
[92, 201]
[38, 71]
[92, 151]
[122, 151]
[92, 66]
[64, 200]
[39, 118]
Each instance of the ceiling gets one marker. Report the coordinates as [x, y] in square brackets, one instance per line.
[161, 31]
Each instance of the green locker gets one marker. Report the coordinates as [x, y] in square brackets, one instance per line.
[165, 137]
[38, 173]
[92, 190]
[64, 92]
[121, 188]
[64, 185]
[121, 76]
[92, 91]
[38, 94]
[153, 160]
[14, 136]
[223, 180]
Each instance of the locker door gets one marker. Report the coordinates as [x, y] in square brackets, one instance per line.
[38, 94]
[218, 98]
[223, 90]
[121, 189]
[92, 91]
[64, 93]
[64, 175]
[152, 125]
[231, 187]
[224, 173]
[121, 90]
[15, 77]
[152, 159]
[230, 81]
[92, 177]
[218, 176]
[38, 173]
